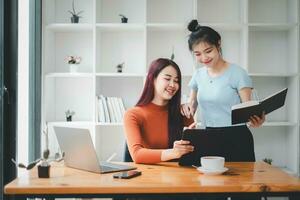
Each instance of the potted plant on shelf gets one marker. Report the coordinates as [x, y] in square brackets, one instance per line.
[75, 15]
[120, 67]
[124, 19]
[73, 62]
[69, 115]
[42, 163]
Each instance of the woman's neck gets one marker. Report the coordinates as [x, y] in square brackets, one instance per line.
[219, 68]
[159, 102]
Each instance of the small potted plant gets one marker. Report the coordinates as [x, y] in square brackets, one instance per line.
[73, 62]
[124, 19]
[42, 163]
[69, 115]
[268, 160]
[120, 67]
[75, 15]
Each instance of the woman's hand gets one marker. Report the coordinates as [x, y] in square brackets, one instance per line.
[256, 121]
[187, 109]
[180, 147]
[191, 126]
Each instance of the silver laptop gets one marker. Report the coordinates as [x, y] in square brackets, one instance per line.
[80, 153]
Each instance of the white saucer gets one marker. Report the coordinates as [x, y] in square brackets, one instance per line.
[212, 172]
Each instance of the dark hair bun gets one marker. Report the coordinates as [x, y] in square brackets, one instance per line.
[193, 25]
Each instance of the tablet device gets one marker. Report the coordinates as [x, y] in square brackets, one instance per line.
[206, 142]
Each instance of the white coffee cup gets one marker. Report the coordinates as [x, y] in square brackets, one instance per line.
[213, 163]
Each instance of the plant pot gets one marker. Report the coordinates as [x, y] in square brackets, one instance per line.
[74, 19]
[73, 68]
[124, 20]
[44, 171]
[69, 119]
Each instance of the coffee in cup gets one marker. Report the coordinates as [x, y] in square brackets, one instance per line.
[213, 163]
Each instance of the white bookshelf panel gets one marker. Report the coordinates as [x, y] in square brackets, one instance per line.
[59, 45]
[115, 47]
[232, 46]
[273, 51]
[160, 44]
[266, 86]
[279, 144]
[57, 11]
[169, 11]
[69, 93]
[69, 27]
[272, 11]
[128, 88]
[110, 140]
[107, 11]
[216, 11]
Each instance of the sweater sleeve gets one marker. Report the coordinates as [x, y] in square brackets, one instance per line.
[133, 129]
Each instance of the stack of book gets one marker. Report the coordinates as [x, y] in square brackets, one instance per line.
[110, 109]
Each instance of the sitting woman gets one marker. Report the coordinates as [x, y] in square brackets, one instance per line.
[154, 126]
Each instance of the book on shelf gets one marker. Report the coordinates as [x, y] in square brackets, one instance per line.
[110, 109]
[242, 112]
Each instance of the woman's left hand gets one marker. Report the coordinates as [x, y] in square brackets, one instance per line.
[256, 121]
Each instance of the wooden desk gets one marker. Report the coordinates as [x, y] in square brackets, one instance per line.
[158, 180]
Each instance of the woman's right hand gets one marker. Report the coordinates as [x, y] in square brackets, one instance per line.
[180, 147]
[187, 109]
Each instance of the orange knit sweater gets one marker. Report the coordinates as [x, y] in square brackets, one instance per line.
[146, 129]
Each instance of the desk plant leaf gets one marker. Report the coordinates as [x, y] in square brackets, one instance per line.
[73, 12]
[31, 165]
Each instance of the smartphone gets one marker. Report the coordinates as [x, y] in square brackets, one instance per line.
[127, 174]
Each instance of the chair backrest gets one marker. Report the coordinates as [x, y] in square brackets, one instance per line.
[127, 156]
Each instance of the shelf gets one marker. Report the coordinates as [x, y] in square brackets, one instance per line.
[72, 123]
[182, 26]
[119, 27]
[166, 26]
[224, 26]
[271, 26]
[273, 75]
[60, 27]
[68, 75]
[119, 75]
[109, 124]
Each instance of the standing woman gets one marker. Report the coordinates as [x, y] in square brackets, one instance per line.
[153, 127]
[216, 87]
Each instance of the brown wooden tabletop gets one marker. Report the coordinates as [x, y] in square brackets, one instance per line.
[163, 178]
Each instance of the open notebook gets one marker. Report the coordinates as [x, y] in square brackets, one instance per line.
[241, 113]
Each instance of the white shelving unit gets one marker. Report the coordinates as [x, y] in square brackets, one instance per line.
[260, 35]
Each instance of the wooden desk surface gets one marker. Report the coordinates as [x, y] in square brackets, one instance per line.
[160, 178]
